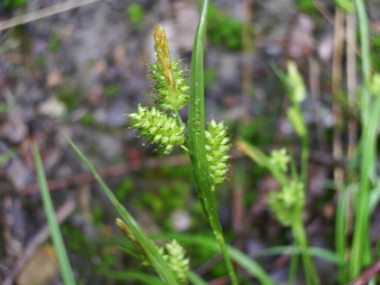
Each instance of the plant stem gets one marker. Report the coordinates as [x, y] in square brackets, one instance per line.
[299, 233]
[304, 159]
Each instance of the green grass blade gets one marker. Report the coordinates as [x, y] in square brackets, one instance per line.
[155, 258]
[340, 232]
[360, 239]
[63, 261]
[196, 123]
[322, 253]
[374, 197]
[196, 279]
[132, 275]
[5, 156]
[239, 257]
[293, 268]
[196, 140]
[361, 233]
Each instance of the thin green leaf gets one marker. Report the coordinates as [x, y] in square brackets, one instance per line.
[196, 125]
[369, 112]
[132, 253]
[196, 279]
[5, 156]
[340, 231]
[313, 251]
[132, 275]
[63, 261]
[155, 258]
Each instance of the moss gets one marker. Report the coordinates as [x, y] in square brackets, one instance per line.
[14, 3]
[307, 7]
[69, 96]
[223, 29]
[135, 13]
[88, 119]
[112, 90]
[54, 42]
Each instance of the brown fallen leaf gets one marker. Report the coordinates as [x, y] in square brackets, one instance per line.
[41, 267]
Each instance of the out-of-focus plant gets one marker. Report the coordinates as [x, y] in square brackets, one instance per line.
[135, 12]
[223, 29]
[14, 3]
[287, 204]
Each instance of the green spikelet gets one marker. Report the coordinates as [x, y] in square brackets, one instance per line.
[284, 202]
[280, 158]
[175, 257]
[296, 85]
[216, 151]
[158, 128]
[171, 85]
[177, 261]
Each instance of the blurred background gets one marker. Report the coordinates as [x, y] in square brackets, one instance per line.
[78, 66]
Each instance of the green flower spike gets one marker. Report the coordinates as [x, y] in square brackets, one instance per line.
[284, 202]
[279, 158]
[216, 151]
[170, 85]
[175, 257]
[177, 261]
[296, 86]
[158, 128]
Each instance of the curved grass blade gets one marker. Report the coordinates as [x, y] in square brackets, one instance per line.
[150, 250]
[196, 279]
[7, 155]
[197, 142]
[313, 251]
[63, 260]
[132, 275]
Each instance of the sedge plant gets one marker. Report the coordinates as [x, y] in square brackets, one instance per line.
[287, 204]
[163, 125]
[208, 148]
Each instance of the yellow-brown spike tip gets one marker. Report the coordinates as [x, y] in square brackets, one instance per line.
[160, 36]
[163, 54]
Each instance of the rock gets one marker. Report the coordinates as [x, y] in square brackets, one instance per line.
[54, 78]
[181, 220]
[15, 129]
[115, 115]
[52, 108]
[109, 146]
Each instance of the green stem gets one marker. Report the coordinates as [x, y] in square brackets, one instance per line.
[293, 268]
[196, 140]
[304, 159]
[299, 233]
[340, 233]
[358, 259]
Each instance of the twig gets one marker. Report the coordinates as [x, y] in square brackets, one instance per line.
[336, 91]
[38, 239]
[43, 13]
[351, 79]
